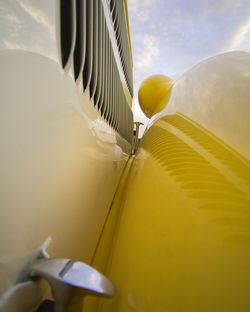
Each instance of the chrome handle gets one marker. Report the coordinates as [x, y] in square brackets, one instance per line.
[71, 280]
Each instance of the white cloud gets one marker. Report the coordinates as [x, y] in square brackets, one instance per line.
[221, 7]
[142, 16]
[134, 5]
[13, 19]
[145, 56]
[169, 37]
[38, 15]
[239, 35]
[14, 45]
[181, 17]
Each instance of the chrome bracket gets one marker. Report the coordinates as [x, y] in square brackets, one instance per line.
[70, 281]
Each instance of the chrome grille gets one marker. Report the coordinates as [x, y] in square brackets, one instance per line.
[85, 32]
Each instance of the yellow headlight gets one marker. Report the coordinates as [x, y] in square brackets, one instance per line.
[154, 94]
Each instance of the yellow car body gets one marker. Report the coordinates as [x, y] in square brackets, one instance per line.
[169, 226]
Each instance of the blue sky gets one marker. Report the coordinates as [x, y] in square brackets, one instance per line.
[170, 36]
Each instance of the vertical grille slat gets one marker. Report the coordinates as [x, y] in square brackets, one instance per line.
[97, 97]
[105, 77]
[101, 104]
[112, 3]
[112, 96]
[85, 39]
[87, 72]
[109, 75]
[80, 45]
[93, 81]
[120, 28]
[67, 30]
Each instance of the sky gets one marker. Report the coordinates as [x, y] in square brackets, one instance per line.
[171, 36]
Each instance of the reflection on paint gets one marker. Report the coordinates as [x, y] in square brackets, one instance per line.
[179, 235]
[208, 171]
[216, 94]
[29, 25]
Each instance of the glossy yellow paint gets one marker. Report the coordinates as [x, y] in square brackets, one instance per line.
[216, 94]
[154, 94]
[60, 167]
[101, 257]
[182, 235]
